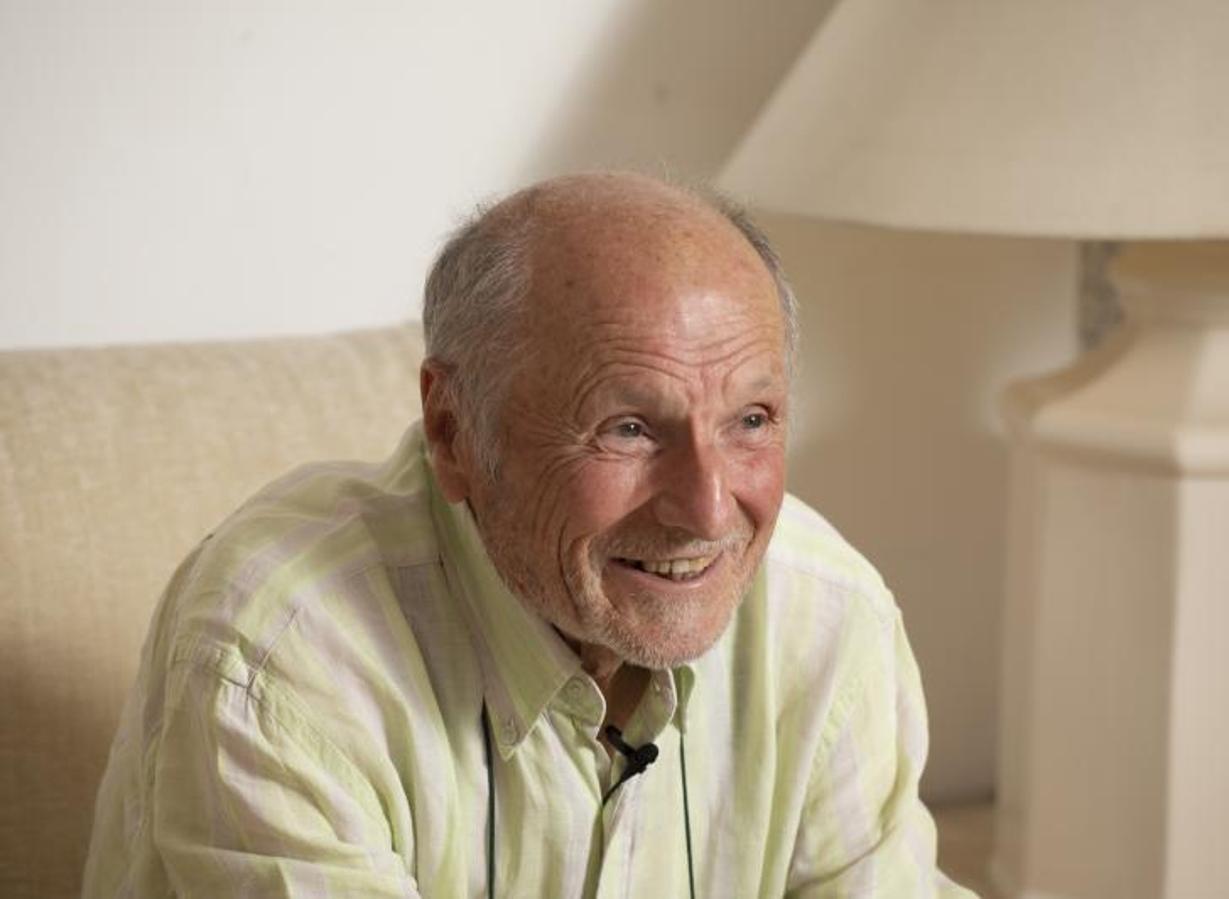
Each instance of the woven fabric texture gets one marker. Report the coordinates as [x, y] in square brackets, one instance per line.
[114, 462]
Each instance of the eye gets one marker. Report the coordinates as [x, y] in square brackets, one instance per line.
[753, 421]
[625, 430]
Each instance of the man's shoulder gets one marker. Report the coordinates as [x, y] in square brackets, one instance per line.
[302, 537]
[817, 620]
[808, 556]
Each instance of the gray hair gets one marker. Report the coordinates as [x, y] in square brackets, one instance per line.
[737, 215]
[474, 296]
[470, 313]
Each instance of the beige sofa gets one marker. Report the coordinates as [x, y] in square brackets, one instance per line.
[113, 463]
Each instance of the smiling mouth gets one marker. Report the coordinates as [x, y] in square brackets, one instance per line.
[671, 569]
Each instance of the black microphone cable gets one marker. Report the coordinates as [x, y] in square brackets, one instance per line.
[638, 759]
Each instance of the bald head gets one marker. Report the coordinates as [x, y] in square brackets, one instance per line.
[614, 202]
[540, 247]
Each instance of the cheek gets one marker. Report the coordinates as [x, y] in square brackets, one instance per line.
[557, 497]
[760, 486]
[600, 495]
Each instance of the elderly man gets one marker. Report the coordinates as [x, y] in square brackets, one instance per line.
[570, 640]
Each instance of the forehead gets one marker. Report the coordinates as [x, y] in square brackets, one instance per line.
[675, 274]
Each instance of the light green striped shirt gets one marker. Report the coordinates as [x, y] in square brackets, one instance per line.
[307, 722]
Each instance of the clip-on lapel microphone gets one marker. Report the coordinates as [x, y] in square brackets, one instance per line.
[638, 758]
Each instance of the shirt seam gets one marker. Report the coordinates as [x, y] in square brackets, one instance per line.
[276, 702]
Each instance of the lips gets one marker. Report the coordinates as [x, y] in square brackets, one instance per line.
[683, 569]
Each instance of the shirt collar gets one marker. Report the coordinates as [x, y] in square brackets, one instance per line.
[525, 662]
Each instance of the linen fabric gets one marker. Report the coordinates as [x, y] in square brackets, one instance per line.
[307, 722]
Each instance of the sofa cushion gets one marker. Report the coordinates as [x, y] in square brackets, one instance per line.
[114, 462]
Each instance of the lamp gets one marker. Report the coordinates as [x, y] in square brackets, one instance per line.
[1073, 119]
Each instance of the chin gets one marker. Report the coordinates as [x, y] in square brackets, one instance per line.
[667, 625]
[671, 634]
[656, 653]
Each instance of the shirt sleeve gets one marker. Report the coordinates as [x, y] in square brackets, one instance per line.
[865, 832]
[251, 799]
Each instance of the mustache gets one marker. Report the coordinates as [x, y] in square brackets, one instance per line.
[664, 545]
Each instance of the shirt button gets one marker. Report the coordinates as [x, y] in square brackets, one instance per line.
[509, 730]
[575, 689]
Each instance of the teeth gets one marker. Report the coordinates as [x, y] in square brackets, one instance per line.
[675, 569]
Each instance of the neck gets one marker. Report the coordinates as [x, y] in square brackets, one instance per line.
[622, 684]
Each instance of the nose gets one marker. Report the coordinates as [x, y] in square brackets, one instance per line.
[694, 492]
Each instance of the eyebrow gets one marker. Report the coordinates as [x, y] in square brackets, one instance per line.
[764, 383]
[624, 393]
[629, 394]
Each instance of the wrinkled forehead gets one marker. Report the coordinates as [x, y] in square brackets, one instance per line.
[650, 259]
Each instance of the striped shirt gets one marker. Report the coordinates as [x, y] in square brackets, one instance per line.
[307, 721]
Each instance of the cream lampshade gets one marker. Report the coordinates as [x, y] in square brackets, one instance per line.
[1073, 118]
[1104, 119]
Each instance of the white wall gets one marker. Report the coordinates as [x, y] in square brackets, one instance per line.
[179, 170]
[908, 340]
[173, 169]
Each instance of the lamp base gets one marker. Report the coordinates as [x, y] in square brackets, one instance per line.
[1113, 778]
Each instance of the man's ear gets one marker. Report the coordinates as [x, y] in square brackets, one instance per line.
[441, 425]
